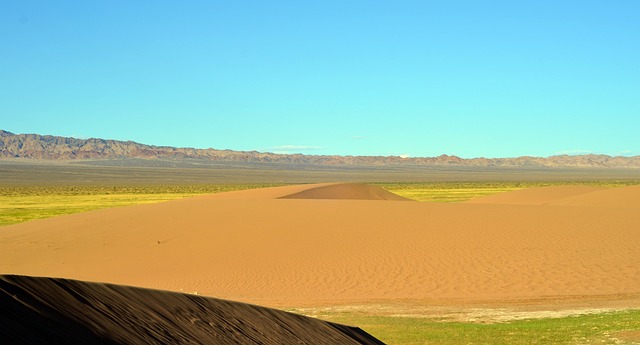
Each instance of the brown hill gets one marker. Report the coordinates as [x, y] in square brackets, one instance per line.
[39, 310]
[47, 147]
[353, 191]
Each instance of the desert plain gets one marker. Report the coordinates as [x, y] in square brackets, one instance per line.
[312, 248]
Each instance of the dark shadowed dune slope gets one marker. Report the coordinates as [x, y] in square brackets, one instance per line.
[38, 310]
[353, 191]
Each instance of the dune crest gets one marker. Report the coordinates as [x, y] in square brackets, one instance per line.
[626, 197]
[534, 196]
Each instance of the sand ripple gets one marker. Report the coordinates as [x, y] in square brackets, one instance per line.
[260, 248]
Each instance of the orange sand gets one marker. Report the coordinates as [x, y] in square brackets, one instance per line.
[259, 247]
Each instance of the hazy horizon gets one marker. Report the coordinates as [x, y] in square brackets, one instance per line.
[493, 79]
[313, 154]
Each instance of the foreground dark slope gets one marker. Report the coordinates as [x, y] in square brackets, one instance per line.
[39, 310]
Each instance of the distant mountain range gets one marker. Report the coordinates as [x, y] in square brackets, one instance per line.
[48, 147]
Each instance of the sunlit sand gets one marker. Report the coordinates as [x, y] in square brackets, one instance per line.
[337, 244]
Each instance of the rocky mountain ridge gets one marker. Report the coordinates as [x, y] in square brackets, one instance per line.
[48, 147]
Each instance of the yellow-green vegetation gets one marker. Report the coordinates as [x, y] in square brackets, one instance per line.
[23, 203]
[463, 191]
[621, 327]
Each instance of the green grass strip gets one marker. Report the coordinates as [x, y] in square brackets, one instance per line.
[622, 327]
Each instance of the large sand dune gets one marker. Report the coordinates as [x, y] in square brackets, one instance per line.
[259, 247]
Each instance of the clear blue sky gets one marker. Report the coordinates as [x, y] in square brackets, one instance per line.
[421, 78]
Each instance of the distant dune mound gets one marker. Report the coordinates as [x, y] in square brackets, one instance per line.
[628, 197]
[534, 196]
[334, 191]
[45, 310]
[351, 191]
